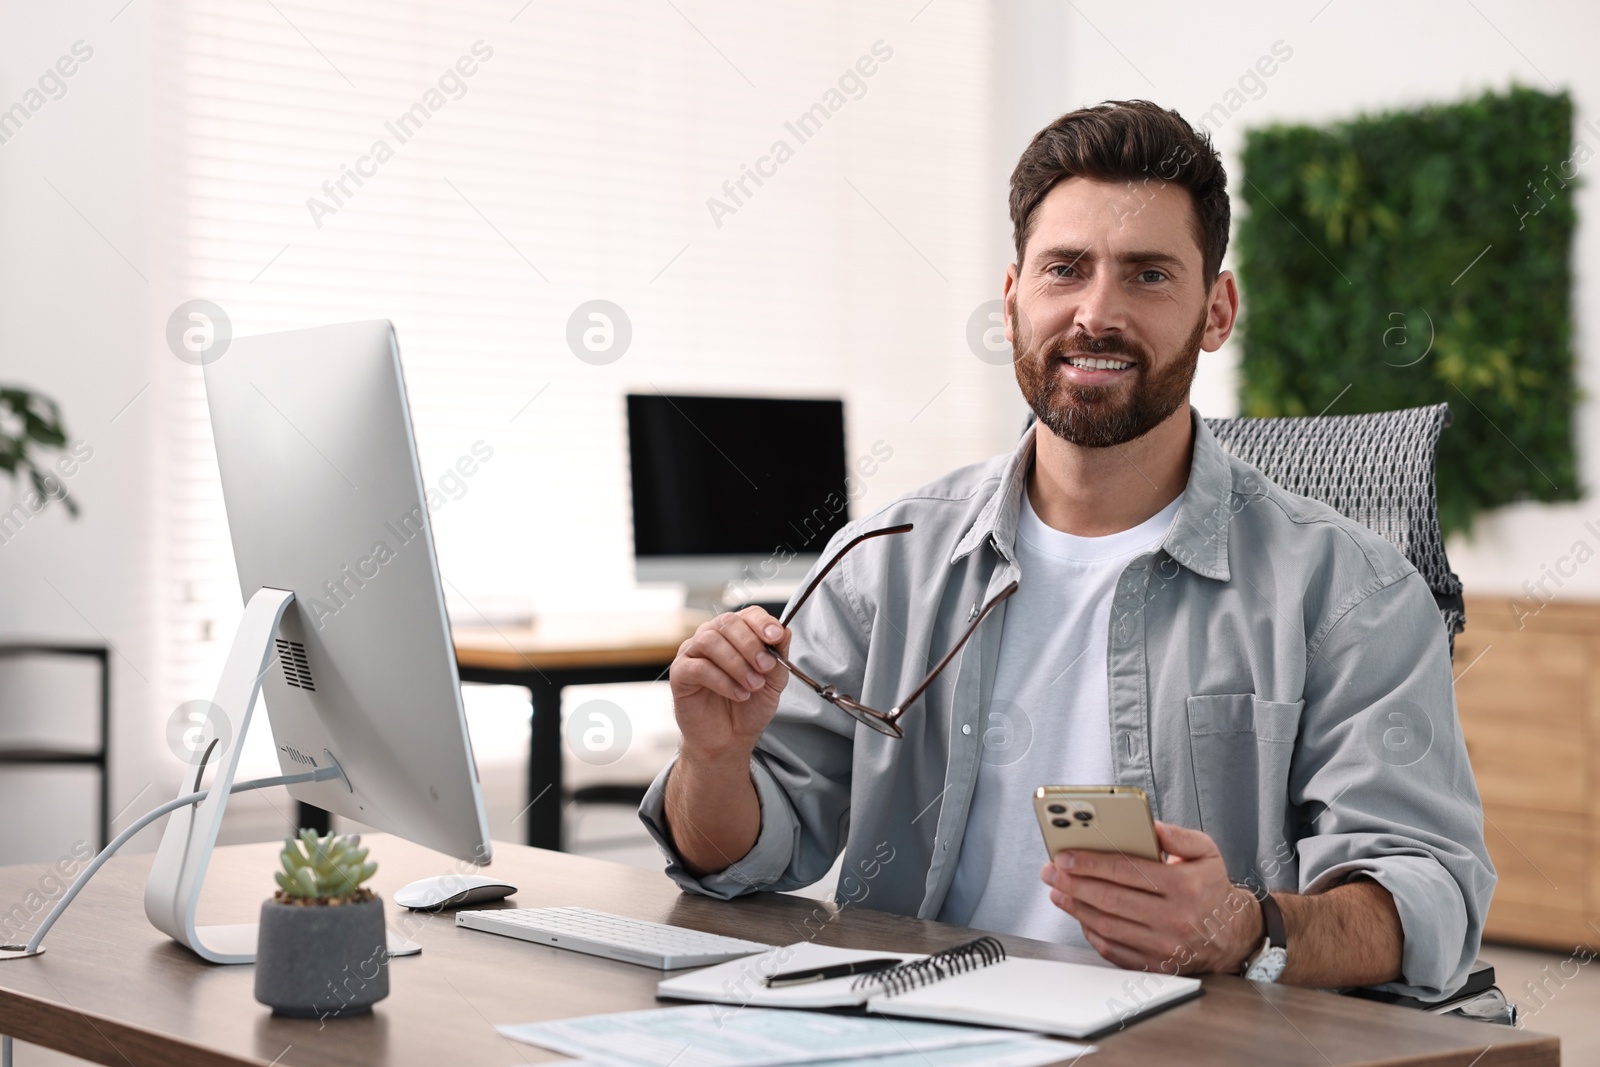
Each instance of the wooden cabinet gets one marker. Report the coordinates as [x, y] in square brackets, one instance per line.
[1528, 693]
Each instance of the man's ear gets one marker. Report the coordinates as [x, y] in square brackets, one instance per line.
[1006, 301]
[1222, 311]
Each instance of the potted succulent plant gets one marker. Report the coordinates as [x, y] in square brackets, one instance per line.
[322, 950]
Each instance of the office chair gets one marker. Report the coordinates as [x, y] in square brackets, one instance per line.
[1377, 469]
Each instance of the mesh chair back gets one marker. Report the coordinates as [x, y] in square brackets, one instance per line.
[1377, 469]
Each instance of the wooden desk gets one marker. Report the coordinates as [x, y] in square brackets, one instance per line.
[559, 651]
[113, 990]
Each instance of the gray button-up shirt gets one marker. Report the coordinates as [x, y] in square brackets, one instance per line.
[1279, 678]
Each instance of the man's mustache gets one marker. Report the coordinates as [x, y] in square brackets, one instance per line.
[1080, 344]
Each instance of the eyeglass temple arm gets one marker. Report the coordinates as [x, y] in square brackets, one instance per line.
[837, 556]
[798, 673]
[900, 708]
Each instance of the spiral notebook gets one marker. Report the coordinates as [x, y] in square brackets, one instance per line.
[972, 983]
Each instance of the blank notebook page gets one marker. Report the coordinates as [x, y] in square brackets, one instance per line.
[1068, 999]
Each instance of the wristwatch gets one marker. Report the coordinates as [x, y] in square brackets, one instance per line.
[1266, 964]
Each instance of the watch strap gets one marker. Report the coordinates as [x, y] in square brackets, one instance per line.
[1272, 916]
[1276, 939]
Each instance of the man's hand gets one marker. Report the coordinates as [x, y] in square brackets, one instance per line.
[1184, 917]
[725, 687]
[1181, 916]
[725, 684]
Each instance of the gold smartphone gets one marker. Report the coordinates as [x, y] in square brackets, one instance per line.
[1096, 818]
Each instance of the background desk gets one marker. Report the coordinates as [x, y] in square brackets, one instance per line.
[113, 990]
[560, 651]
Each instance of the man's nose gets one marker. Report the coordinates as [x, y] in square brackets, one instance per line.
[1101, 306]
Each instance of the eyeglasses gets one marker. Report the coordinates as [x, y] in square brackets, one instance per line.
[885, 722]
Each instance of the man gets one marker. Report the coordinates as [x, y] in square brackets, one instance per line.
[1180, 624]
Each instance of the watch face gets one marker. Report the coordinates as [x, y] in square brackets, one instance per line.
[1268, 966]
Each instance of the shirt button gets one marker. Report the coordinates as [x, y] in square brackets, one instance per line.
[966, 729]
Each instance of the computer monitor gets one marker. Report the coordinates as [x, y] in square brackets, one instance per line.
[734, 496]
[345, 631]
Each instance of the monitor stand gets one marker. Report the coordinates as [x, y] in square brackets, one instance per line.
[172, 893]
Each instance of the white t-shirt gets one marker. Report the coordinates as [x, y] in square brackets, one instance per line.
[1048, 722]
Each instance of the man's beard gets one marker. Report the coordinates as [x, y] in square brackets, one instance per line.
[1100, 416]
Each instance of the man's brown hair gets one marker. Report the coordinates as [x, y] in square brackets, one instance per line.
[1132, 141]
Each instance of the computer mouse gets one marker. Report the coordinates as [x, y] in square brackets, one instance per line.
[451, 891]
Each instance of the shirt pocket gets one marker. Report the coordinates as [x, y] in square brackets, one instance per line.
[1242, 748]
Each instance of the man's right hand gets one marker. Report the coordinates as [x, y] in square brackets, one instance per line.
[725, 685]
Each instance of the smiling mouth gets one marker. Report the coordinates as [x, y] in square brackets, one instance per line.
[1098, 363]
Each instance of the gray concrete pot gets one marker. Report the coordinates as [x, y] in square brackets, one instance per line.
[322, 962]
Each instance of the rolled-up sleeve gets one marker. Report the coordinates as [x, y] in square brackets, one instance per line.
[801, 767]
[1382, 780]
[760, 868]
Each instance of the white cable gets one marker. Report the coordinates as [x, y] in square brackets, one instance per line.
[322, 774]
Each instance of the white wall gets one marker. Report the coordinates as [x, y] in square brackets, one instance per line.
[1349, 57]
[74, 324]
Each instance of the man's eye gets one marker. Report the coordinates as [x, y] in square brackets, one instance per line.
[1152, 276]
[1062, 270]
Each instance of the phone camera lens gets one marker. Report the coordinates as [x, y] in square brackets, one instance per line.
[1061, 822]
[1056, 809]
[1083, 816]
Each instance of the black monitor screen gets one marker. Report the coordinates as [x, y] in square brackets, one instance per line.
[718, 476]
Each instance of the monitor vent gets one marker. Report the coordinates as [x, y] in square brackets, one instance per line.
[296, 755]
[296, 671]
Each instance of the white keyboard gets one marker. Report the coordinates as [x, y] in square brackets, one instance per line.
[612, 936]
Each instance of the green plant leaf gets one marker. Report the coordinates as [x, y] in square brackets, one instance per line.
[323, 868]
[29, 425]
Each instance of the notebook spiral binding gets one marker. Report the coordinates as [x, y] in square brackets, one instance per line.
[935, 968]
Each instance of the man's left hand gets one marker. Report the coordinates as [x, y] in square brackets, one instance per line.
[1181, 916]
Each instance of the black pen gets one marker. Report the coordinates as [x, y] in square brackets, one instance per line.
[839, 970]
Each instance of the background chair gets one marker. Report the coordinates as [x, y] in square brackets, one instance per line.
[1377, 469]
